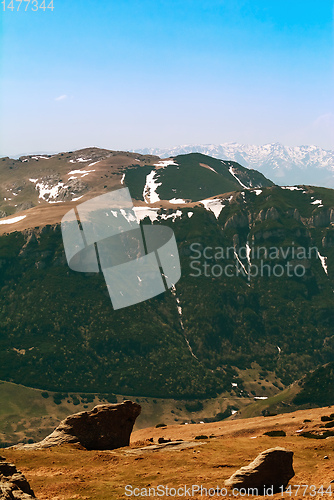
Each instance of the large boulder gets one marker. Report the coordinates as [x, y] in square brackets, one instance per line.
[105, 427]
[13, 484]
[272, 468]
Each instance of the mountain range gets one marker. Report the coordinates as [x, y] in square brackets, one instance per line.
[210, 334]
[41, 180]
[284, 165]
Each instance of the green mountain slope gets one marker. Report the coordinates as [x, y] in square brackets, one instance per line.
[194, 177]
[73, 340]
[59, 331]
[317, 387]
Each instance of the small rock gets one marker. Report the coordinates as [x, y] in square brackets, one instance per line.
[326, 457]
[163, 440]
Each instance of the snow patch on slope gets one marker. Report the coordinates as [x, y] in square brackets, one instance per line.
[83, 172]
[317, 202]
[142, 212]
[323, 262]
[214, 205]
[236, 178]
[165, 163]
[177, 201]
[78, 160]
[49, 193]
[152, 213]
[13, 220]
[179, 310]
[149, 193]
[172, 216]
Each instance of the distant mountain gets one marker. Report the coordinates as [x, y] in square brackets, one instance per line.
[284, 165]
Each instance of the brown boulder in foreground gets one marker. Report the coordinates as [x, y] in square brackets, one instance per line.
[272, 468]
[105, 427]
[13, 484]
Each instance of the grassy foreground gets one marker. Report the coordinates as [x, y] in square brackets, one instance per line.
[68, 472]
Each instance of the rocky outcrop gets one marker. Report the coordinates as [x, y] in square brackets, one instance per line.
[272, 468]
[237, 220]
[294, 213]
[327, 241]
[323, 218]
[13, 484]
[26, 205]
[73, 189]
[105, 427]
[60, 191]
[272, 214]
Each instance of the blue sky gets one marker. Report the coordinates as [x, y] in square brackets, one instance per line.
[139, 73]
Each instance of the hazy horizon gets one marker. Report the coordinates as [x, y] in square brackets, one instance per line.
[29, 153]
[128, 76]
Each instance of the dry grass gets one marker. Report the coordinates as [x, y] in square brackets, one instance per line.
[70, 472]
